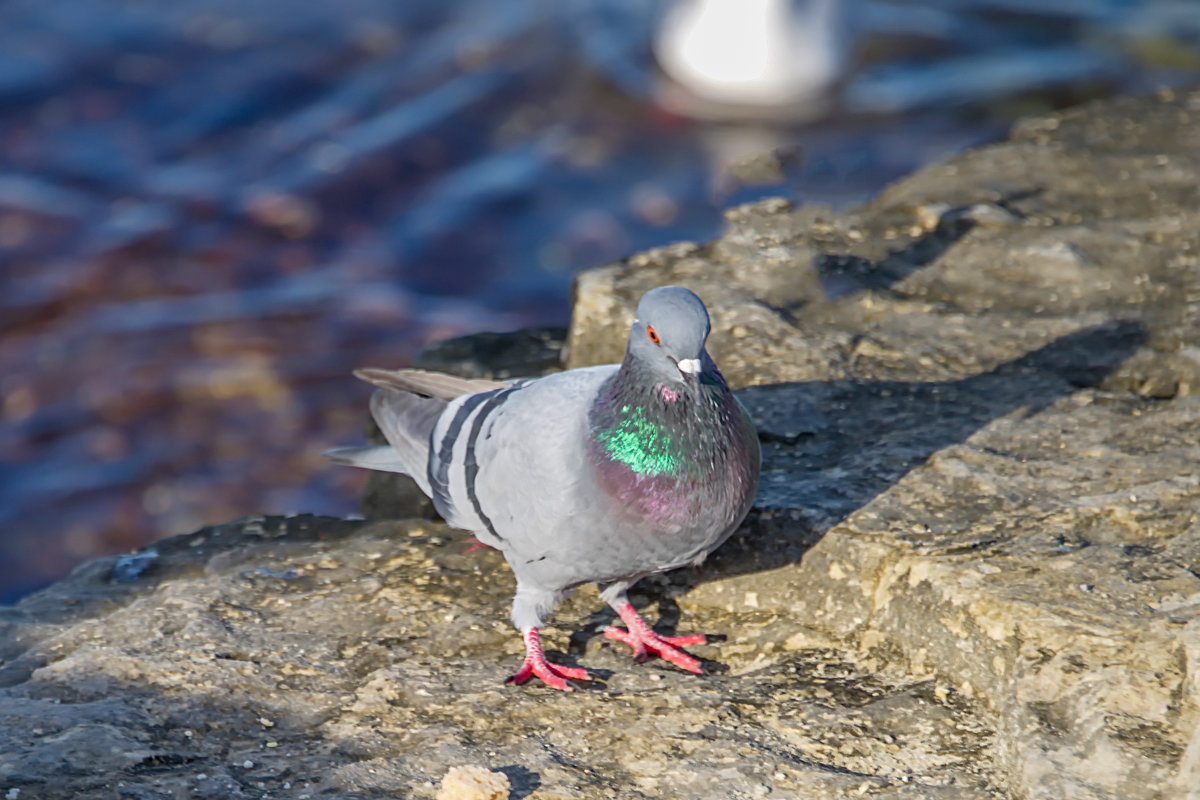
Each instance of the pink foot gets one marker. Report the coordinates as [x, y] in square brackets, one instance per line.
[642, 638]
[553, 675]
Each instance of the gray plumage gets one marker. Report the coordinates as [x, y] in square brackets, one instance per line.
[603, 474]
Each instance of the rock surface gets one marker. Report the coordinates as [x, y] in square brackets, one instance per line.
[315, 657]
[977, 394]
[972, 570]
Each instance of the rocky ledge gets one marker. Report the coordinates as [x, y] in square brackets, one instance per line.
[973, 570]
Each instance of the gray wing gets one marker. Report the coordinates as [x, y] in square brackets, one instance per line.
[508, 464]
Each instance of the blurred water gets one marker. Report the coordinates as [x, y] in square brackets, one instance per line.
[210, 212]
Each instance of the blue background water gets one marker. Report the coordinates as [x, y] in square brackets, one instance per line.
[210, 212]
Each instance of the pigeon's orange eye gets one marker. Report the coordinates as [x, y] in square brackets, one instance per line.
[652, 333]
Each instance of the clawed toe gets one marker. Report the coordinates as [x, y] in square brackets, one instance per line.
[553, 675]
[536, 666]
[665, 647]
[644, 641]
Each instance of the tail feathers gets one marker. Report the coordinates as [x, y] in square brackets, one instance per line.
[382, 458]
[427, 384]
[407, 421]
[407, 406]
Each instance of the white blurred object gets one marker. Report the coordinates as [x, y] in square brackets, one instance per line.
[779, 56]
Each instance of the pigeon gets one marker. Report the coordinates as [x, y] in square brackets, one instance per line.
[600, 475]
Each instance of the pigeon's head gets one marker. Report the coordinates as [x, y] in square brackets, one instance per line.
[668, 334]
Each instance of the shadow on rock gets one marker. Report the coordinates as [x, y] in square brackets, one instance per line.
[842, 273]
[830, 448]
[524, 782]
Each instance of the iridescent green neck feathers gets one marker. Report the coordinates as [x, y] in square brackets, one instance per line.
[633, 439]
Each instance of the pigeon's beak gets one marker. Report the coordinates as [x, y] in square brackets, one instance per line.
[689, 366]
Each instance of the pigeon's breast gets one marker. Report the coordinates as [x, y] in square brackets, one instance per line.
[691, 483]
[665, 502]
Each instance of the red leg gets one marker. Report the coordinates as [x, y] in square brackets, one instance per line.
[536, 665]
[478, 545]
[642, 638]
